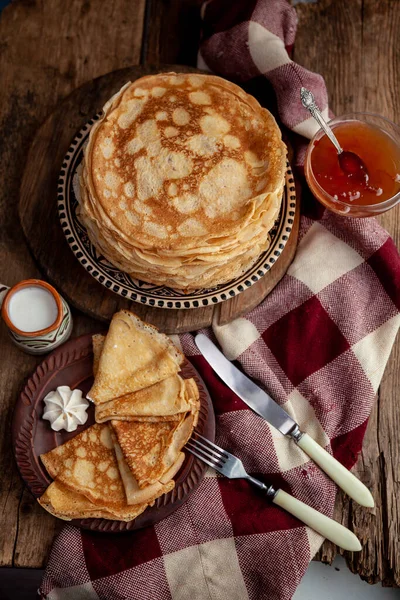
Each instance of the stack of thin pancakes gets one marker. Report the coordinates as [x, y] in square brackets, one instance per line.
[182, 180]
[145, 414]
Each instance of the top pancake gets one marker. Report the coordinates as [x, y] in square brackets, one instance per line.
[178, 158]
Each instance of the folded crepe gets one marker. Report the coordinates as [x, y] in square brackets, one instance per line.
[151, 449]
[66, 504]
[162, 401]
[135, 355]
[86, 464]
[166, 400]
[115, 470]
[134, 494]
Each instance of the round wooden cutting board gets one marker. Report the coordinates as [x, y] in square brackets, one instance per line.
[45, 238]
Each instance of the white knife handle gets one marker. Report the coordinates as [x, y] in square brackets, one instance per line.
[336, 471]
[330, 529]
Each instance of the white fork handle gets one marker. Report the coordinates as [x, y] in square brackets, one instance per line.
[330, 529]
[336, 471]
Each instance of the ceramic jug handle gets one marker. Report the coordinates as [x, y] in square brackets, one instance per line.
[3, 291]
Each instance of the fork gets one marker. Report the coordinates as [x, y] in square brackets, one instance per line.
[232, 467]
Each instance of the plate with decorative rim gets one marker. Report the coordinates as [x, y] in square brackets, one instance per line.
[72, 364]
[146, 293]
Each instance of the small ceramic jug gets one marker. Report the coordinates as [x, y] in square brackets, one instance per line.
[47, 339]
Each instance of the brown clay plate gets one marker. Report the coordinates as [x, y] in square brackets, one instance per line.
[71, 364]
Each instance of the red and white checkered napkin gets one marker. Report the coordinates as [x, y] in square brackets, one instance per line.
[318, 343]
[246, 40]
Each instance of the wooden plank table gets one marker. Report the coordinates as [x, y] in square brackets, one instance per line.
[48, 48]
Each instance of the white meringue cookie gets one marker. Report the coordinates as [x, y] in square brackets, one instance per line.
[65, 408]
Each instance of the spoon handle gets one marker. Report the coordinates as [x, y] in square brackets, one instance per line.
[308, 101]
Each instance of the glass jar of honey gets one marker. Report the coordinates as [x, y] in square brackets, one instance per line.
[376, 141]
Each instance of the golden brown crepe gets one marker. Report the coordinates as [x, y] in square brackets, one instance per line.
[163, 401]
[136, 495]
[87, 465]
[182, 180]
[144, 446]
[134, 355]
[194, 399]
[150, 449]
[174, 468]
[66, 504]
[180, 436]
[88, 478]
[115, 470]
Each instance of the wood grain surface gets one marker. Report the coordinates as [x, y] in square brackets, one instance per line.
[49, 247]
[47, 50]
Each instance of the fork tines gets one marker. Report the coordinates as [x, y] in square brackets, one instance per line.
[207, 451]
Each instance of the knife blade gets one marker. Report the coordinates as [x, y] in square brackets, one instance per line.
[244, 387]
[266, 407]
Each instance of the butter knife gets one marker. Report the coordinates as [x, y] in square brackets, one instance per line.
[266, 407]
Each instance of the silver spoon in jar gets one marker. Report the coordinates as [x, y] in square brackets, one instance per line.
[350, 163]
